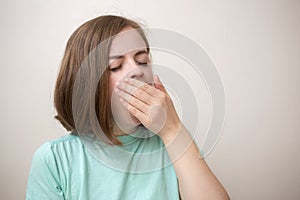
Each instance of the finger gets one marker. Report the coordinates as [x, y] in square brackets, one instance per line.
[135, 91]
[144, 119]
[158, 84]
[144, 86]
[133, 101]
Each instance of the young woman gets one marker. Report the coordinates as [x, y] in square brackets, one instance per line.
[117, 91]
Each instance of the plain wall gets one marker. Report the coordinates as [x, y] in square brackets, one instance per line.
[254, 44]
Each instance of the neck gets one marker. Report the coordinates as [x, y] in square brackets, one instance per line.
[118, 132]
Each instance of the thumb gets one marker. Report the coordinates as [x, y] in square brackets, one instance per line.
[158, 84]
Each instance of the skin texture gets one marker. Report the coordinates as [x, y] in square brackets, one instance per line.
[134, 63]
[152, 106]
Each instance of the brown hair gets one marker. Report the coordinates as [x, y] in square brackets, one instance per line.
[95, 99]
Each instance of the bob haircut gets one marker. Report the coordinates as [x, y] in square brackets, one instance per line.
[81, 43]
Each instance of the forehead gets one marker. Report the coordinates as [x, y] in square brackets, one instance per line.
[126, 41]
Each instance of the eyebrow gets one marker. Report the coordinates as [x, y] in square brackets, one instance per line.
[121, 56]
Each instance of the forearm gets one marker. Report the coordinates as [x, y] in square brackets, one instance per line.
[196, 181]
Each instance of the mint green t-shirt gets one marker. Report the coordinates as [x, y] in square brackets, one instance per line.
[65, 168]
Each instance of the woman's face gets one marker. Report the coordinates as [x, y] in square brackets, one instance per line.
[128, 58]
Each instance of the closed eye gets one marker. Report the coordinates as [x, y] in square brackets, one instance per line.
[120, 66]
[142, 63]
[116, 68]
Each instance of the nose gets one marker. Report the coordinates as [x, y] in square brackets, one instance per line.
[135, 71]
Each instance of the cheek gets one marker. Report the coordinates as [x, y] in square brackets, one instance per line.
[112, 82]
[148, 75]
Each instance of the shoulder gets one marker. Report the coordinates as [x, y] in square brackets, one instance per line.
[46, 172]
[52, 148]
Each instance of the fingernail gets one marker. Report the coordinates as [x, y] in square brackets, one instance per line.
[157, 77]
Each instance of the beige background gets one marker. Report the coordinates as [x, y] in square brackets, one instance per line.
[254, 44]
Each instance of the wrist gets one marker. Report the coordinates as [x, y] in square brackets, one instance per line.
[168, 134]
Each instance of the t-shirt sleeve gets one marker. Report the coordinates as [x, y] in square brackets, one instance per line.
[43, 181]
